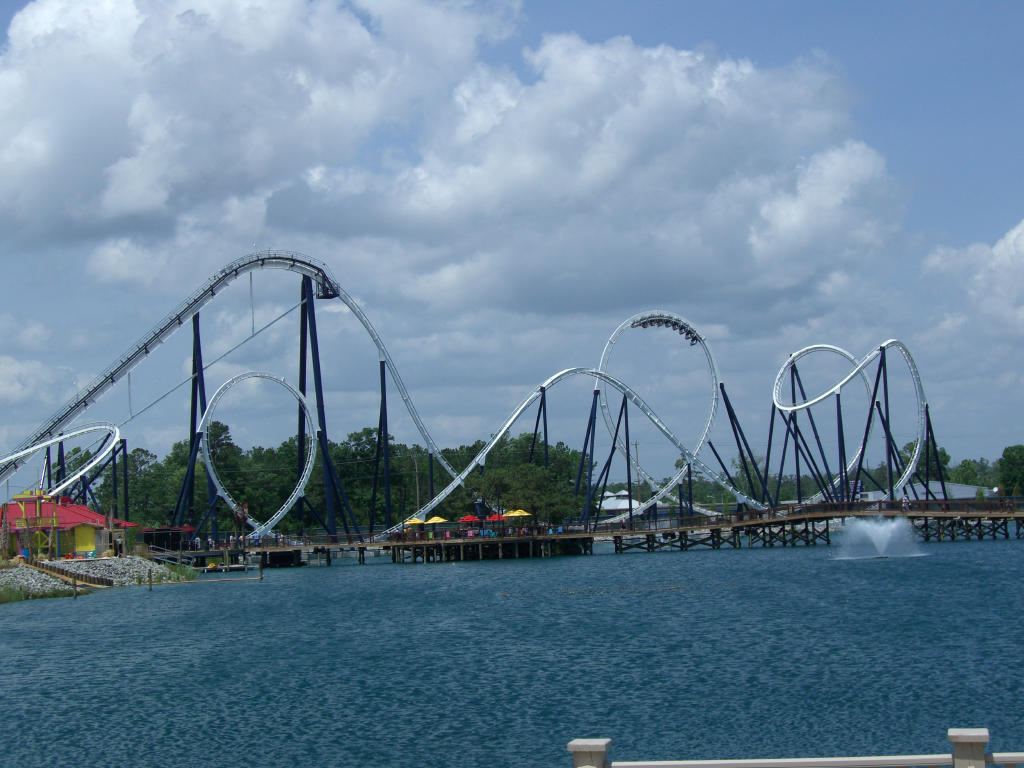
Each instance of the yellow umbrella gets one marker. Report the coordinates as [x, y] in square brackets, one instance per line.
[435, 519]
[413, 521]
[518, 513]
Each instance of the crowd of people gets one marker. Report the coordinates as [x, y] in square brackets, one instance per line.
[235, 542]
[416, 533]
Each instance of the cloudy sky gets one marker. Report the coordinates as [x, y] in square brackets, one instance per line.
[499, 185]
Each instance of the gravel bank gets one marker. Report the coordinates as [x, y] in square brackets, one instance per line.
[31, 581]
[125, 571]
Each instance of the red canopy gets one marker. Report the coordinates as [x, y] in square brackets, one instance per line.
[495, 517]
[49, 514]
[469, 519]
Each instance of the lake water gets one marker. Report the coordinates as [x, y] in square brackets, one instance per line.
[734, 653]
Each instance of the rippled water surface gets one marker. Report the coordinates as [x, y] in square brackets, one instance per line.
[749, 653]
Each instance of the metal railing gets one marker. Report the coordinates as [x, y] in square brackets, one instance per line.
[968, 752]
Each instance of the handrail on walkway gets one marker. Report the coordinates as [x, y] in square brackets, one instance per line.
[968, 752]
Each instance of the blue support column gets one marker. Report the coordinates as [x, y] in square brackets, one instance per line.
[542, 413]
[124, 477]
[867, 426]
[386, 444]
[300, 444]
[184, 511]
[930, 435]
[629, 465]
[792, 424]
[889, 447]
[817, 437]
[782, 455]
[844, 491]
[113, 474]
[744, 447]
[603, 475]
[184, 503]
[307, 292]
[62, 470]
[588, 459]
[768, 460]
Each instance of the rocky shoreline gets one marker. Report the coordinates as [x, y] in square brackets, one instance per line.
[32, 583]
[124, 571]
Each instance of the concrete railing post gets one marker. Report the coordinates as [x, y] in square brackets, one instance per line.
[589, 753]
[968, 746]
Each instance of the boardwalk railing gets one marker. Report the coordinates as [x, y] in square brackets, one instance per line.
[968, 752]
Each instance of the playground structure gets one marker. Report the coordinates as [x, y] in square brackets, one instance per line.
[835, 481]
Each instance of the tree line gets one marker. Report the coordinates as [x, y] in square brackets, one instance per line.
[263, 478]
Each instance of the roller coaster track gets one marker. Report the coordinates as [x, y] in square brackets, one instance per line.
[110, 440]
[662, 319]
[601, 377]
[52, 430]
[857, 370]
[327, 288]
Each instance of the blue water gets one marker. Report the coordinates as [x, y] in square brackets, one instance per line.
[740, 653]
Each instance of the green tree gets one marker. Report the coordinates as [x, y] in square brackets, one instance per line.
[1011, 471]
[934, 462]
[975, 472]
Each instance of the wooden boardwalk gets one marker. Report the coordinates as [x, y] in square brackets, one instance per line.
[792, 525]
[789, 526]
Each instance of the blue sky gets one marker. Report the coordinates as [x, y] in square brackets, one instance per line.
[499, 185]
[936, 83]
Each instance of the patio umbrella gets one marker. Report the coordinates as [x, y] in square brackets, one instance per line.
[495, 518]
[517, 513]
[432, 522]
[469, 519]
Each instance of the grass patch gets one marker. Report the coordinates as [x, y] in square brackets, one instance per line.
[181, 572]
[12, 595]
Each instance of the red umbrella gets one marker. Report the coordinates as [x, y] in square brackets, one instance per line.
[495, 518]
[469, 519]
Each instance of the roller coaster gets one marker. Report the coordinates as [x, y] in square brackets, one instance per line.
[836, 481]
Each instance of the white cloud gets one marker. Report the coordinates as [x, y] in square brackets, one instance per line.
[994, 277]
[496, 223]
[29, 381]
[180, 103]
[123, 260]
[26, 333]
[835, 202]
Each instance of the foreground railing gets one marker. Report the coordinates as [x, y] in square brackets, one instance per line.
[968, 752]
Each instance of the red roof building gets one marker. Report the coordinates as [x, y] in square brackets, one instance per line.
[54, 527]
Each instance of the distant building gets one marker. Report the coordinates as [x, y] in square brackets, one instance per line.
[616, 503]
[45, 526]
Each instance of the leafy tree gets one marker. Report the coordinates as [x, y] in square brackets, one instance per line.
[931, 470]
[975, 472]
[1011, 471]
